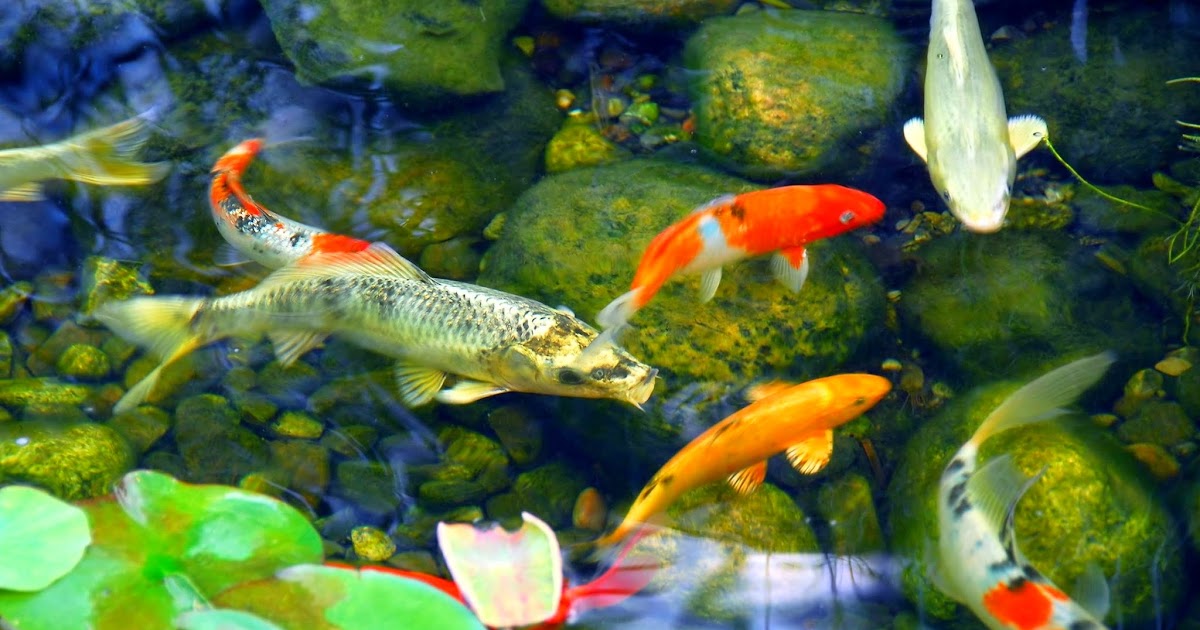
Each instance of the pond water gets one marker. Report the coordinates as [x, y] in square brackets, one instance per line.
[536, 147]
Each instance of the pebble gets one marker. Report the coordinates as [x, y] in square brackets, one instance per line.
[1173, 366]
[590, 511]
[372, 544]
[1157, 460]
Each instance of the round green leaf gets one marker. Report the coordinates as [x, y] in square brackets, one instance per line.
[317, 597]
[41, 538]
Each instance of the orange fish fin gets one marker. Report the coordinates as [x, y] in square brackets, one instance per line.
[811, 454]
[755, 393]
[790, 267]
[748, 479]
[377, 260]
[1023, 606]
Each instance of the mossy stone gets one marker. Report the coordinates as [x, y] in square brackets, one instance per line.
[104, 279]
[73, 462]
[418, 50]
[290, 384]
[764, 101]
[1098, 212]
[55, 292]
[579, 144]
[1158, 422]
[297, 424]
[519, 433]
[638, 13]
[256, 409]
[43, 360]
[452, 492]
[1131, 54]
[456, 259]
[1021, 299]
[12, 300]
[350, 441]
[848, 506]
[21, 392]
[215, 449]
[1093, 504]
[372, 487]
[304, 465]
[142, 426]
[372, 544]
[84, 362]
[548, 491]
[6, 355]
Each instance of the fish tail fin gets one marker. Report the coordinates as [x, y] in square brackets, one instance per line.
[108, 156]
[238, 159]
[630, 571]
[162, 325]
[1045, 397]
[619, 311]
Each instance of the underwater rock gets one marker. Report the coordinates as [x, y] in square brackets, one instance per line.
[288, 385]
[452, 492]
[590, 511]
[372, 544]
[103, 279]
[1161, 464]
[305, 467]
[215, 449]
[548, 491]
[470, 456]
[12, 299]
[74, 462]
[423, 52]
[43, 360]
[1021, 299]
[141, 426]
[1099, 213]
[847, 505]
[578, 144]
[1158, 422]
[256, 409]
[297, 424]
[1144, 385]
[21, 392]
[1111, 116]
[353, 440]
[456, 259]
[639, 13]
[373, 487]
[1093, 504]
[84, 362]
[519, 432]
[6, 355]
[763, 96]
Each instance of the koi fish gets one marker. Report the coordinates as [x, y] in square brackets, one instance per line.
[978, 562]
[966, 139]
[102, 156]
[267, 238]
[782, 220]
[796, 419]
[494, 342]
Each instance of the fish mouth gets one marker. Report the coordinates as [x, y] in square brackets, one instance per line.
[641, 392]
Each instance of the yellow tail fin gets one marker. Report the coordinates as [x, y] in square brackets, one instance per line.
[162, 325]
[108, 156]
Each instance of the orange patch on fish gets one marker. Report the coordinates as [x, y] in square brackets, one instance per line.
[329, 243]
[1026, 606]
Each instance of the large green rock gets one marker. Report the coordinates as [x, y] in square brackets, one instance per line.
[1093, 505]
[793, 93]
[422, 51]
[214, 447]
[638, 12]
[1019, 300]
[74, 462]
[1112, 117]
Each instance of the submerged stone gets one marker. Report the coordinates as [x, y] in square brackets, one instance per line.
[84, 362]
[297, 424]
[103, 279]
[43, 360]
[456, 259]
[848, 507]
[304, 465]
[764, 99]
[548, 491]
[73, 462]
[1158, 422]
[142, 426]
[12, 300]
[372, 487]
[21, 392]
[580, 144]
[519, 433]
[215, 449]
[6, 355]
[639, 13]
[371, 544]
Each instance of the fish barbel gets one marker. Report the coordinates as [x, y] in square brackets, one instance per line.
[102, 156]
[492, 341]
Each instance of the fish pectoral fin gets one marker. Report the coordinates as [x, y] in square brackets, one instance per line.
[914, 134]
[290, 345]
[709, 282]
[418, 384]
[758, 392]
[565, 310]
[994, 490]
[811, 454]
[748, 479]
[1025, 133]
[25, 192]
[1091, 591]
[790, 267]
[723, 200]
[226, 255]
[466, 391]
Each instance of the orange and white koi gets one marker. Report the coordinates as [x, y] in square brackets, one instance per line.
[978, 562]
[782, 220]
[796, 419]
[267, 238]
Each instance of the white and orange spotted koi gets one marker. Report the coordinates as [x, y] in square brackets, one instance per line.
[264, 236]
[978, 561]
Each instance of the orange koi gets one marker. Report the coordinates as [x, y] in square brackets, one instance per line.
[782, 220]
[978, 562]
[267, 238]
[796, 419]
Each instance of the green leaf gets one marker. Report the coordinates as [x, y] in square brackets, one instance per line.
[41, 538]
[222, 620]
[316, 597]
[508, 579]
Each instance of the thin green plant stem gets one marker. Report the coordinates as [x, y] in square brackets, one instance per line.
[1097, 190]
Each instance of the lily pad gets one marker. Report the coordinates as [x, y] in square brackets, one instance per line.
[41, 538]
[508, 579]
[222, 620]
[316, 597]
[160, 547]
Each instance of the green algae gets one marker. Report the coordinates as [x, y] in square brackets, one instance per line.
[639, 13]
[73, 462]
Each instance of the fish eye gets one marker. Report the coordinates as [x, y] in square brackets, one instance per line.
[598, 374]
[846, 217]
[567, 376]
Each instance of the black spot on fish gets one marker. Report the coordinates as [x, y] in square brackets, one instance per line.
[737, 211]
[666, 481]
[956, 492]
[648, 489]
[1016, 583]
[963, 507]
[1004, 565]
[1032, 573]
[295, 239]
[956, 465]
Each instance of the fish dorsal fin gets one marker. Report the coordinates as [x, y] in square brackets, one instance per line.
[290, 345]
[1091, 591]
[565, 310]
[1044, 397]
[994, 490]
[1025, 133]
[723, 200]
[811, 454]
[709, 282]
[789, 275]
[418, 384]
[748, 479]
[914, 134]
[31, 191]
[758, 392]
[467, 391]
[376, 260]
